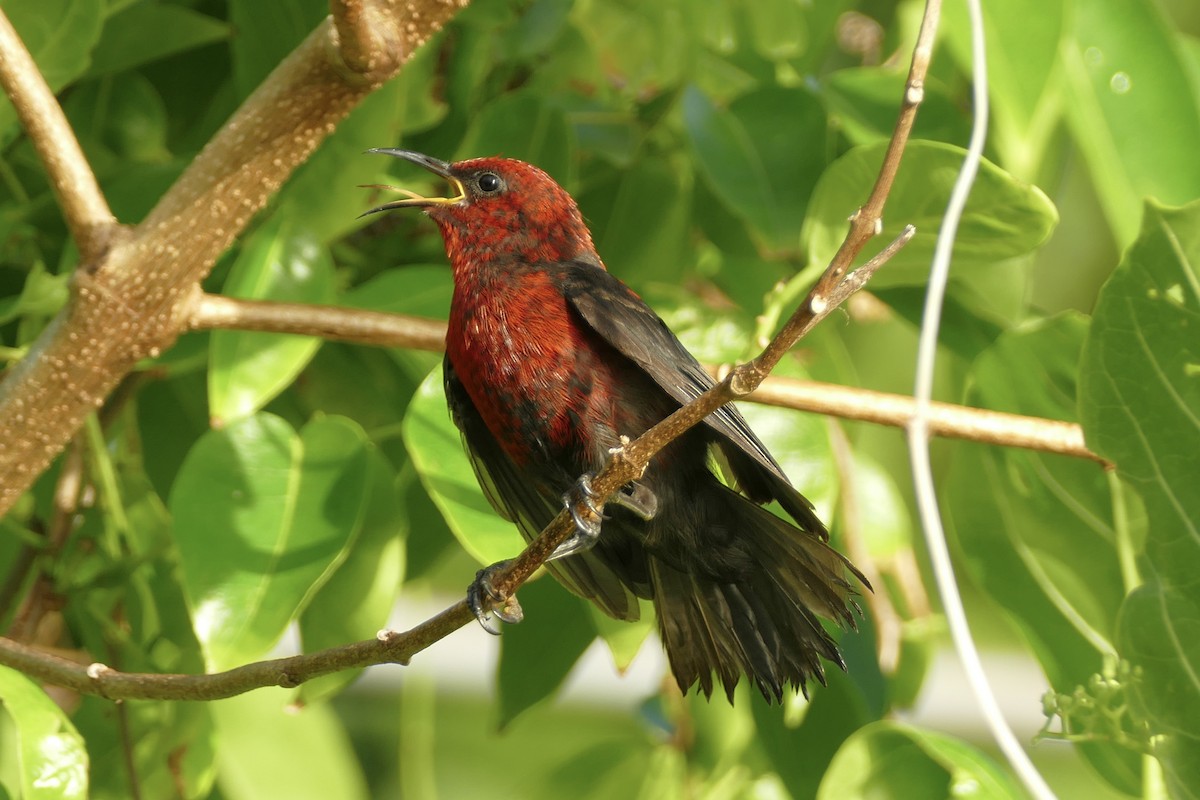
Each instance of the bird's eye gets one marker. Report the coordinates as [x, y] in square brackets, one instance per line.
[490, 183]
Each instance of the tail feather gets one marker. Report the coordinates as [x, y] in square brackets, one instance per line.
[762, 623]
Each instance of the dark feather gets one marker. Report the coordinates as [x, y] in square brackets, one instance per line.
[623, 319]
[517, 498]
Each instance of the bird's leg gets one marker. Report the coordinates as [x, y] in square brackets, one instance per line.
[637, 498]
[487, 604]
[588, 516]
[581, 502]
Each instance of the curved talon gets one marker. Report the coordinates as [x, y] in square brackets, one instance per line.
[487, 604]
[581, 502]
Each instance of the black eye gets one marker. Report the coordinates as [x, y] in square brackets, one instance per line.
[490, 183]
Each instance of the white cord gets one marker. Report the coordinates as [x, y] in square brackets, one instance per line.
[918, 432]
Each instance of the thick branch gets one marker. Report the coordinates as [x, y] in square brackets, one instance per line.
[136, 300]
[86, 211]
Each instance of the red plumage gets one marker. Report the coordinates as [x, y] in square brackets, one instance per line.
[549, 361]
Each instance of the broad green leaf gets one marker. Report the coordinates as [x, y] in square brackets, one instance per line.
[420, 289]
[60, 35]
[324, 197]
[124, 43]
[266, 33]
[1024, 80]
[271, 750]
[641, 222]
[1160, 632]
[42, 294]
[1139, 400]
[354, 604]
[248, 369]
[891, 760]
[437, 451]
[51, 756]
[120, 122]
[1134, 108]
[645, 46]
[800, 751]
[864, 102]
[624, 639]
[1004, 217]
[263, 516]
[537, 655]
[751, 157]
[1037, 530]
[523, 125]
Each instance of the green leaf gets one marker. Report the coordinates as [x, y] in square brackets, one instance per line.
[891, 760]
[1038, 531]
[124, 43]
[437, 452]
[120, 121]
[800, 752]
[266, 33]
[59, 34]
[864, 102]
[1004, 218]
[1064, 589]
[247, 369]
[641, 222]
[749, 155]
[271, 750]
[523, 125]
[354, 604]
[324, 197]
[1160, 632]
[537, 655]
[1024, 80]
[42, 295]
[51, 756]
[1124, 67]
[1140, 403]
[263, 517]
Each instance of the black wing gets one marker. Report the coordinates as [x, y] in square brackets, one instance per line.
[516, 498]
[624, 320]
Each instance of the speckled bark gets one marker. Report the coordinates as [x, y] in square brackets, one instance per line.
[135, 298]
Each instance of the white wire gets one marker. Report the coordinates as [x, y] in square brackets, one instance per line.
[918, 432]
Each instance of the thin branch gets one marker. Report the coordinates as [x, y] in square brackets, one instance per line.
[329, 322]
[83, 205]
[418, 333]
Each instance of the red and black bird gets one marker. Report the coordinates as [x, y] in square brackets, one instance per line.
[550, 360]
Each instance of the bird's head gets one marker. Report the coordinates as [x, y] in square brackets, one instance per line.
[497, 208]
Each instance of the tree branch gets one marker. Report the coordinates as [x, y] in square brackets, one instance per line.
[135, 297]
[86, 211]
[418, 333]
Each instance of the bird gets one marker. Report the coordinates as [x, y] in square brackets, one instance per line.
[552, 362]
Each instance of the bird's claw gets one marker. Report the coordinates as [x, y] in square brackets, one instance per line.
[581, 502]
[488, 605]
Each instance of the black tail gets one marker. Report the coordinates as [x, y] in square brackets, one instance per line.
[762, 619]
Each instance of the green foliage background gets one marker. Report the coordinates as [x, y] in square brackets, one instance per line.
[250, 482]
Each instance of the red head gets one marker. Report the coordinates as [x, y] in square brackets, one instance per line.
[500, 209]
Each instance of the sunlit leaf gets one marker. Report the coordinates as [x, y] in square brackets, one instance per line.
[247, 369]
[263, 516]
[1004, 217]
[51, 757]
[1140, 403]
[890, 760]
[1124, 66]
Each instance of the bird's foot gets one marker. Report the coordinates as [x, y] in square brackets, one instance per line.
[581, 502]
[638, 499]
[488, 605]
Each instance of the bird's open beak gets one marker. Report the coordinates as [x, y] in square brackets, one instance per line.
[411, 199]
